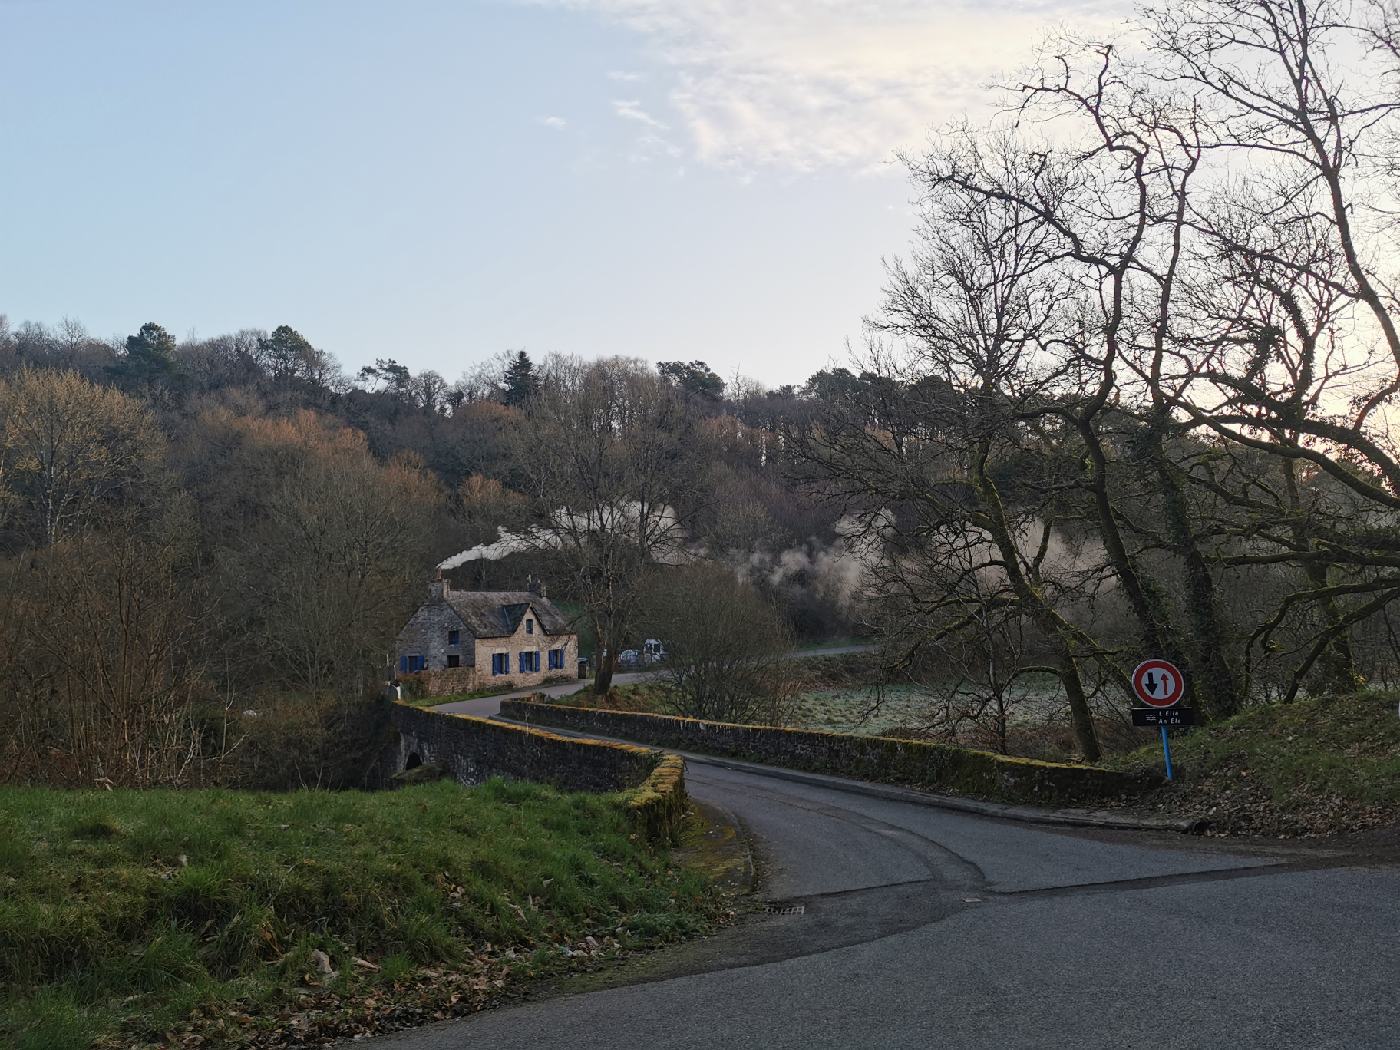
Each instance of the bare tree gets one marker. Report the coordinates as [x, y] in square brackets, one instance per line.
[106, 666]
[607, 450]
[967, 394]
[69, 450]
[323, 574]
[728, 649]
[1226, 345]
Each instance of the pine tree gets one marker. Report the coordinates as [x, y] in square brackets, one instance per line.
[521, 382]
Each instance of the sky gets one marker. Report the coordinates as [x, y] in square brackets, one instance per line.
[436, 181]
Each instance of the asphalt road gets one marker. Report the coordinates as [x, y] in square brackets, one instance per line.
[927, 928]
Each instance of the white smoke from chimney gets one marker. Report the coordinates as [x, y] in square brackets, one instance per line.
[506, 544]
[668, 539]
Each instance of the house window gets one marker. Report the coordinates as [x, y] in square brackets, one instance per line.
[411, 664]
[454, 637]
[529, 626]
[403, 665]
[453, 660]
[500, 663]
[556, 659]
[529, 662]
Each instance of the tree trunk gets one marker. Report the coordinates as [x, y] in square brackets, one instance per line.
[1213, 680]
[1081, 718]
[1337, 664]
[607, 667]
[1032, 599]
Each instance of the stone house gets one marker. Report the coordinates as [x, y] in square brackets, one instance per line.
[462, 641]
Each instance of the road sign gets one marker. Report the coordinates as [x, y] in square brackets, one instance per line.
[1171, 716]
[1158, 683]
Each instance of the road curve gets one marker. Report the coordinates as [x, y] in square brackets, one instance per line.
[927, 928]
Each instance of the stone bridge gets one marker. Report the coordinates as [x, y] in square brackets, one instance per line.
[474, 750]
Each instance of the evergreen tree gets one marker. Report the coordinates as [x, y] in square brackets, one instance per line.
[149, 358]
[695, 378]
[521, 382]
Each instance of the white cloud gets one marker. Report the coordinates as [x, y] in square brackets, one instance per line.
[625, 76]
[632, 110]
[822, 83]
[554, 122]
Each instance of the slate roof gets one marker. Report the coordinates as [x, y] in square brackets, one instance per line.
[496, 614]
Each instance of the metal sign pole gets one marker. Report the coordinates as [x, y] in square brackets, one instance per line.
[1166, 752]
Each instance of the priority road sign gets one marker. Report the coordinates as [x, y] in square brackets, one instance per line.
[1158, 683]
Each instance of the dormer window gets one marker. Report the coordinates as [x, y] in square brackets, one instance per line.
[529, 626]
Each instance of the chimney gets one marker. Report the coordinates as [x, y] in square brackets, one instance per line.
[536, 587]
[437, 587]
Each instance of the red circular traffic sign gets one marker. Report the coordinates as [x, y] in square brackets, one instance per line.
[1158, 683]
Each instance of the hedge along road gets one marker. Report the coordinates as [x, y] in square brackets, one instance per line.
[924, 928]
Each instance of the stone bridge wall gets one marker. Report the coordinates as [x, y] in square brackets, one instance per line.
[910, 763]
[476, 749]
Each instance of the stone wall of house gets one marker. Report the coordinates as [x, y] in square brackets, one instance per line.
[910, 763]
[446, 682]
[426, 635]
[518, 643]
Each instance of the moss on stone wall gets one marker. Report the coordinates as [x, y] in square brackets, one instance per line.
[657, 807]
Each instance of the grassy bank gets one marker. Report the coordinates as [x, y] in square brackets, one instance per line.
[1319, 766]
[452, 698]
[126, 915]
[477, 694]
[653, 697]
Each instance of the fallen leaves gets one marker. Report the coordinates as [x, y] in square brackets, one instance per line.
[326, 1011]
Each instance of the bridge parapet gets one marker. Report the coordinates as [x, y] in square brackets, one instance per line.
[474, 750]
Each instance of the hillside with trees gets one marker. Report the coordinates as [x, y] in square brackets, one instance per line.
[209, 546]
[1131, 393]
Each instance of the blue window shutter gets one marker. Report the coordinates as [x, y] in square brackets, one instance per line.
[403, 665]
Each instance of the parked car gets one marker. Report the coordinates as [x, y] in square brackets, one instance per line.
[651, 652]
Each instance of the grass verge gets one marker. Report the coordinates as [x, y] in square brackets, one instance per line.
[130, 918]
[1319, 766]
[654, 697]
